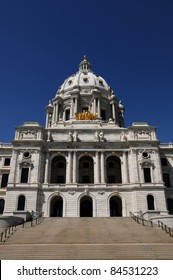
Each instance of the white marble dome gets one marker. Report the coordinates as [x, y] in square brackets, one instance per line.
[84, 92]
[84, 78]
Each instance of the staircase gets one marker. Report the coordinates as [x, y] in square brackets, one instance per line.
[88, 238]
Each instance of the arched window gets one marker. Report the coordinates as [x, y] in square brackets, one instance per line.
[86, 170]
[2, 204]
[58, 170]
[21, 203]
[170, 205]
[113, 168]
[150, 202]
[67, 114]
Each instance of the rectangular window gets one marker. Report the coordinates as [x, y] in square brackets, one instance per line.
[164, 162]
[4, 181]
[147, 175]
[67, 114]
[103, 114]
[24, 175]
[166, 180]
[7, 161]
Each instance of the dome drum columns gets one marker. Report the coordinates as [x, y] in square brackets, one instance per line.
[96, 103]
[54, 112]
[74, 104]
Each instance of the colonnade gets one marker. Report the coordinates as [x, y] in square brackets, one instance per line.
[132, 169]
[57, 112]
[99, 166]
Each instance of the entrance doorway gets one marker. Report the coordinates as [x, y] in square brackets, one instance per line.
[115, 207]
[86, 207]
[170, 205]
[56, 207]
[2, 203]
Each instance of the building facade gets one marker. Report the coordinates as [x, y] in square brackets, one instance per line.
[85, 162]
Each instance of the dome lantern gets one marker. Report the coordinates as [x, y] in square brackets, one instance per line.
[84, 66]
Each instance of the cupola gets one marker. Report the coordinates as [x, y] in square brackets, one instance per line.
[85, 96]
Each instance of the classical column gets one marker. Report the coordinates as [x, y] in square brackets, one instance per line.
[46, 175]
[72, 108]
[54, 113]
[47, 120]
[69, 168]
[102, 163]
[94, 106]
[99, 110]
[57, 112]
[97, 169]
[74, 167]
[75, 110]
[113, 112]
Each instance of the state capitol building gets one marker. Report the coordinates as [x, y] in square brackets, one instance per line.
[85, 162]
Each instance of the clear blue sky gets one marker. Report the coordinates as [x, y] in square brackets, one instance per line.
[128, 42]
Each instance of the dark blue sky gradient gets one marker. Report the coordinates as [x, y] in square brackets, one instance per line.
[129, 43]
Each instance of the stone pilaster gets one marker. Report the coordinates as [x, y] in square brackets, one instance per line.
[96, 169]
[69, 168]
[102, 164]
[124, 168]
[74, 167]
[46, 175]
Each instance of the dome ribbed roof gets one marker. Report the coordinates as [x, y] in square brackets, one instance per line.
[84, 79]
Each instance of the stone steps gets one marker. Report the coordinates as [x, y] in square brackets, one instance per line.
[87, 251]
[88, 238]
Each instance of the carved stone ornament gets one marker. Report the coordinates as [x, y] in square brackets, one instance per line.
[123, 136]
[72, 192]
[85, 90]
[31, 151]
[29, 134]
[149, 151]
[26, 163]
[101, 192]
[86, 192]
[147, 163]
[142, 134]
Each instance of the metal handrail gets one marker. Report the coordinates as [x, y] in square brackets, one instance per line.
[35, 221]
[7, 232]
[160, 224]
[140, 220]
[165, 228]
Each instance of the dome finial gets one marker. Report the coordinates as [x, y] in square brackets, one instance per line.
[85, 66]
